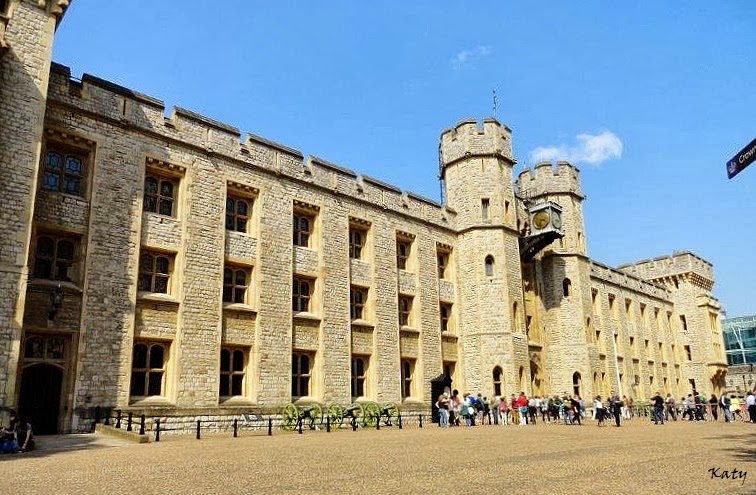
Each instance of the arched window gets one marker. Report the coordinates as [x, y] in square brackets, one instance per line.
[588, 330]
[566, 285]
[147, 369]
[497, 381]
[576, 383]
[521, 375]
[515, 317]
[489, 266]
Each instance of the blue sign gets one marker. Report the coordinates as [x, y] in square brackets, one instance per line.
[745, 157]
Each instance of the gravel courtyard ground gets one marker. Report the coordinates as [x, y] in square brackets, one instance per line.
[677, 458]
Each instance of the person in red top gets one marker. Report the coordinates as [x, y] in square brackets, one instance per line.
[522, 403]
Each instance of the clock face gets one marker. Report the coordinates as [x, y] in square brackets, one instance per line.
[556, 220]
[541, 219]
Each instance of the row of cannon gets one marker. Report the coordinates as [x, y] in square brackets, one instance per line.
[314, 415]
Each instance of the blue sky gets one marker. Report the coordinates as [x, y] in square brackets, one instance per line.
[648, 99]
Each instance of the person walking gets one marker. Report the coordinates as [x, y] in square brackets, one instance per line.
[713, 407]
[658, 403]
[598, 410]
[751, 405]
[616, 404]
[443, 410]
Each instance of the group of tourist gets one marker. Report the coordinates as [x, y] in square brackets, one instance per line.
[470, 409]
[17, 436]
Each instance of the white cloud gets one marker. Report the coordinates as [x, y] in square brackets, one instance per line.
[466, 56]
[591, 149]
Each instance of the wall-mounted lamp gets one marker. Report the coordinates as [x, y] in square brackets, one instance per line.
[56, 301]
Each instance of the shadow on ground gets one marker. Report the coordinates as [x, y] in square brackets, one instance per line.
[51, 444]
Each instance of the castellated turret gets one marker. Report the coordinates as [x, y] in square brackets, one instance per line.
[476, 167]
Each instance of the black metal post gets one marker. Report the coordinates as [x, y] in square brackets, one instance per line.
[236, 428]
[354, 423]
[420, 417]
[299, 425]
[198, 429]
[97, 414]
[118, 419]
[141, 425]
[129, 420]
[157, 429]
[107, 417]
[378, 422]
[270, 426]
[328, 424]
[400, 420]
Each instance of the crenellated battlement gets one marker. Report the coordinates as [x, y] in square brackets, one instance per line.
[679, 263]
[471, 138]
[546, 179]
[123, 107]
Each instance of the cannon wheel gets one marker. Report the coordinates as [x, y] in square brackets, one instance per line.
[315, 418]
[335, 415]
[358, 410]
[370, 413]
[289, 417]
[391, 410]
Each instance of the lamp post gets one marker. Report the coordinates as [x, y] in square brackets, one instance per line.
[56, 301]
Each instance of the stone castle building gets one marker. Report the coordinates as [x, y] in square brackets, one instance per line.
[168, 264]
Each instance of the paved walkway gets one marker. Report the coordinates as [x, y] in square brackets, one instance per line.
[677, 458]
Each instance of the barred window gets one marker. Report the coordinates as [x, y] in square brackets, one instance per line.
[148, 369]
[445, 310]
[302, 229]
[64, 172]
[403, 248]
[301, 294]
[159, 195]
[408, 369]
[405, 310]
[55, 257]
[232, 365]
[235, 284]
[359, 372]
[357, 300]
[237, 213]
[154, 272]
[356, 242]
[301, 371]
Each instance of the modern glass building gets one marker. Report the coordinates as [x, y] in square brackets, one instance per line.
[740, 340]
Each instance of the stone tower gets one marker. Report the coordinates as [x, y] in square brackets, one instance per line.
[476, 167]
[27, 29]
[558, 278]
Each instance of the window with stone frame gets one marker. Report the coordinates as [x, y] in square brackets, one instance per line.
[403, 251]
[408, 371]
[358, 238]
[155, 270]
[233, 364]
[405, 311]
[238, 213]
[64, 170]
[55, 257]
[358, 297]
[303, 224]
[445, 310]
[443, 257]
[301, 294]
[301, 372]
[148, 365]
[236, 281]
[359, 375]
[160, 194]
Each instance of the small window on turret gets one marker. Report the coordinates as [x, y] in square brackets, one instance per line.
[484, 209]
[566, 285]
[489, 266]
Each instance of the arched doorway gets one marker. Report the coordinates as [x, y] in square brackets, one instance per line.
[576, 384]
[39, 399]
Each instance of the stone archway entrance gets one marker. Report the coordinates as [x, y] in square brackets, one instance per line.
[39, 398]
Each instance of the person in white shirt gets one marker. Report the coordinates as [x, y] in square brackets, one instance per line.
[751, 405]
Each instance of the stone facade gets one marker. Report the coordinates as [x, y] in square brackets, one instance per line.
[179, 301]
